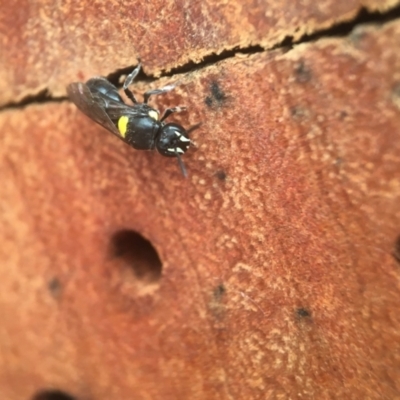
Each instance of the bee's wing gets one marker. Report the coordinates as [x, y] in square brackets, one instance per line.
[92, 107]
[115, 110]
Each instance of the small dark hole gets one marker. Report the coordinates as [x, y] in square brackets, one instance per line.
[208, 100]
[298, 112]
[55, 287]
[52, 395]
[396, 250]
[218, 96]
[219, 292]
[217, 92]
[303, 313]
[138, 254]
[303, 73]
[221, 175]
[396, 95]
[396, 90]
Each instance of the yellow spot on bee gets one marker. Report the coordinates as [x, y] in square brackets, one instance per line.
[123, 125]
[153, 114]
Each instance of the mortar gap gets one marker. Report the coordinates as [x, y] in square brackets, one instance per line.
[42, 96]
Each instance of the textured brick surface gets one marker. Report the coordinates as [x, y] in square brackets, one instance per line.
[47, 44]
[278, 276]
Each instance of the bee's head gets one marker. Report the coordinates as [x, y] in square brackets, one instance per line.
[172, 140]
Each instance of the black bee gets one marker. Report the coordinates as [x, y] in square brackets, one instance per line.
[139, 125]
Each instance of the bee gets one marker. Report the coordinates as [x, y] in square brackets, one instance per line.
[138, 125]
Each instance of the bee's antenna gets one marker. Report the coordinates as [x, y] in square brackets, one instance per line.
[181, 164]
[192, 128]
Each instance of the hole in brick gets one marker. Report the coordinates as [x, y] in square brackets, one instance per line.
[137, 254]
[53, 395]
[396, 250]
[303, 313]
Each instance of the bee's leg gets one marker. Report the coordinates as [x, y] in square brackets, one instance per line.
[190, 130]
[128, 81]
[181, 165]
[169, 111]
[164, 89]
[194, 127]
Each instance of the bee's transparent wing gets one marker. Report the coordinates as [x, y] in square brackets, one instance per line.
[92, 107]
